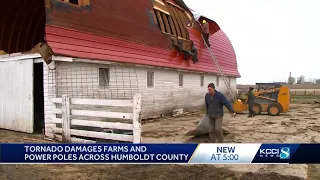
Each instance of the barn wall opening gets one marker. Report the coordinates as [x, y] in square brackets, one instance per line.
[22, 25]
[171, 19]
[38, 101]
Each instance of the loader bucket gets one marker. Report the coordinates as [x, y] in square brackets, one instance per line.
[239, 106]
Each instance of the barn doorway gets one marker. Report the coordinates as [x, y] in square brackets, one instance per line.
[38, 101]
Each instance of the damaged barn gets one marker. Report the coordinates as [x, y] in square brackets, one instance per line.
[101, 49]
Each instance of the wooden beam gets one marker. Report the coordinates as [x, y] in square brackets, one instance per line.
[163, 29]
[98, 124]
[96, 102]
[103, 114]
[136, 118]
[176, 23]
[164, 17]
[74, 139]
[173, 28]
[66, 136]
[175, 15]
[98, 135]
[161, 10]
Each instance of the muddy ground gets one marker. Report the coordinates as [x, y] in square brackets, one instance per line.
[297, 126]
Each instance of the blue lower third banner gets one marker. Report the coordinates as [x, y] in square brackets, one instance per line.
[160, 153]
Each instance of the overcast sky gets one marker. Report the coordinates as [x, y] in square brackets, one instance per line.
[271, 38]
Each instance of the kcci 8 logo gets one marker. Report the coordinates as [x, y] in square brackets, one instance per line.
[285, 153]
[282, 153]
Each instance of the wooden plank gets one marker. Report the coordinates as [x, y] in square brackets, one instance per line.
[163, 29]
[177, 112]
[182, 17]
[73, 139]
[57, 111]
[100, 124]
[96, 102]
[185, 19]
[56, 100]
[175, 22]
[154, 16]
[116, 115]
[136, 118]
[66, 118]
[166, 23]
[160, 2]
[159, 5]
[175, 15]
[173, 28]
[62, 58]
[102, 102]
[98, 135]
[161, 9]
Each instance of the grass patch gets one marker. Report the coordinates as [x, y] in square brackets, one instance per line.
[304, 99]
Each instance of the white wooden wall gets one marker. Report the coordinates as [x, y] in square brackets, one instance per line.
[166, 94]
[16, 95]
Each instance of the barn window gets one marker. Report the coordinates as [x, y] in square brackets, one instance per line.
[104, 78]
[217, 81]
[180, 80]
[201, 80]
[150, 79]
[229, 81]
[77, 2]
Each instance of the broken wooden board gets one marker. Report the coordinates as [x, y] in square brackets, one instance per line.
[177, 112]
[2, 52]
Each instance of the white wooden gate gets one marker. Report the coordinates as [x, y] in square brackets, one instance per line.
[68, 133]
[16, 95]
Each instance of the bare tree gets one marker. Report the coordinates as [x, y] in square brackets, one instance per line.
[301, 79]
[317, 81]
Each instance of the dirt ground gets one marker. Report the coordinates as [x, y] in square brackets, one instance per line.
[297, 126]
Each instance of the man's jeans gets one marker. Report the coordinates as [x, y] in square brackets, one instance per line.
[215, 129]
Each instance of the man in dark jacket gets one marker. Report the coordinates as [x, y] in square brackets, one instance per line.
[214, 109]
[250, 102]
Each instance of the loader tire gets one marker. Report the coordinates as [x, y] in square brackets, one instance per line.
[256, 108]
[274, 109]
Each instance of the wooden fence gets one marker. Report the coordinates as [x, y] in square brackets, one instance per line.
[120, 120]
[305, 92]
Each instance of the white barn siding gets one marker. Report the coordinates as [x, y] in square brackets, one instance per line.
[16, 95]
[48, 105]
[163, 98]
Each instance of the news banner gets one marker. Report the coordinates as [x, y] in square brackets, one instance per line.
[159, 153]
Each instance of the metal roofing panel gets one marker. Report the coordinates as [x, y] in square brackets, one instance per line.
[83, 45]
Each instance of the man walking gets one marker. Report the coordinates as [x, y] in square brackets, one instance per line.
[214, 109]
[250, 102]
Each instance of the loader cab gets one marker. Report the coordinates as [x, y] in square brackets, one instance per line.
[270, 90]
[266, 86]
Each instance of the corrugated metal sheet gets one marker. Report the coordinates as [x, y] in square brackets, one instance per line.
[115, 31]
[121, 19]
[16, 95]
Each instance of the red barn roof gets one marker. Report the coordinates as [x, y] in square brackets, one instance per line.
[115, 31]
